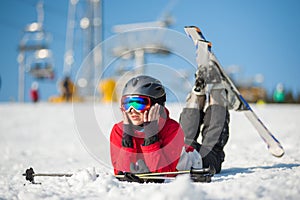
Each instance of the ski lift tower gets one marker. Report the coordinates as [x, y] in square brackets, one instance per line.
[34, 53]
[91, 35]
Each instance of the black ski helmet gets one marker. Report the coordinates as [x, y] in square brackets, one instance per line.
[147, 86]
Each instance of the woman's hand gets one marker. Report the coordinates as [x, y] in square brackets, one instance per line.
[153, 114]
[151, 121]
[125, 117]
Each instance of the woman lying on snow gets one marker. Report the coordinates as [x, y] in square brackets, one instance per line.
[148, 140]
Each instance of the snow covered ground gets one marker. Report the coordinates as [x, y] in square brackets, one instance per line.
[47, 138]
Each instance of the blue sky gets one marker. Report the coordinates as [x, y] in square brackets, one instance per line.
[259, 36]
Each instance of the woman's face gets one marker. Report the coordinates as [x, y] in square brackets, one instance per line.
[137, 118]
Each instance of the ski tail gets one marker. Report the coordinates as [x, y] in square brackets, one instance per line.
[235, 99]
[274, 145]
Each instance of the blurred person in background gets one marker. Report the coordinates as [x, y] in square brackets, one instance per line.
[34, 92]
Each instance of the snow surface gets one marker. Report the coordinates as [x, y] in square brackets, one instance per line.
[45, 137]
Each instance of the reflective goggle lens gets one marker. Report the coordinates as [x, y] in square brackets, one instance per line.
[139, 103]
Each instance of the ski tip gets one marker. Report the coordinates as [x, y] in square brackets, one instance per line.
[195, 27]
[190, 31]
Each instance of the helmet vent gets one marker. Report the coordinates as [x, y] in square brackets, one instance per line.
[134, 81]
[147, 85]
[158, 88]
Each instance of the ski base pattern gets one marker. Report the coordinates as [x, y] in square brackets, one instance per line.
[210, 75]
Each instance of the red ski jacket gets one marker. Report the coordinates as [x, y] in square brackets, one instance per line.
[162, 156]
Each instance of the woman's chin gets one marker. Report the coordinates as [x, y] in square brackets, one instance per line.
[136, 123]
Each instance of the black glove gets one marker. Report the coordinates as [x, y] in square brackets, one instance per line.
[139, 167]
[151, 131]
[127, 136]
[130, 177]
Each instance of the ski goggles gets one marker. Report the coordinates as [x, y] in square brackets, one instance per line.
[138, 102]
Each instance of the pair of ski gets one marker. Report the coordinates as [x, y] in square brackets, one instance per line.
[210, 73]
[197, 175]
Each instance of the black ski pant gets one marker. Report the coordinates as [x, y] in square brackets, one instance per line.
[213, 126]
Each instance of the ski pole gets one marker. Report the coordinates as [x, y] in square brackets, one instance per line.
[196, 175]
[208, 170]
[30, 174]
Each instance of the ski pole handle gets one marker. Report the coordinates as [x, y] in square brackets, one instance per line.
[209, 170]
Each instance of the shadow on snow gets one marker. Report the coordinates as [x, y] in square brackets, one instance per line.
[231, 172]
